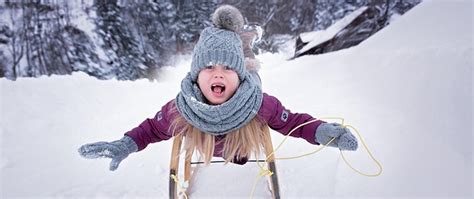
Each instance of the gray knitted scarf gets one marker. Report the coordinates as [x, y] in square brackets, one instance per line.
[219, 119]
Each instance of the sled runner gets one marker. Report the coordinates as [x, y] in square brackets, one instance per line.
[177, 187]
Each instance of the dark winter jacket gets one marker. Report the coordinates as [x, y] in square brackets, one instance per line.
[272, 112]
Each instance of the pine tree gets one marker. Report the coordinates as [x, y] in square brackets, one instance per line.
[121, 47]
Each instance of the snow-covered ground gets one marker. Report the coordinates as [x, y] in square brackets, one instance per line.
[408, 90]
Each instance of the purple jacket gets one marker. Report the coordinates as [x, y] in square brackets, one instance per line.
[271, 111]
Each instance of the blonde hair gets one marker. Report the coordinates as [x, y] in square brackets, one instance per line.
[241, 143]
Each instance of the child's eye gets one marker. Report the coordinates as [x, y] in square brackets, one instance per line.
[209, 67]
[227, 68]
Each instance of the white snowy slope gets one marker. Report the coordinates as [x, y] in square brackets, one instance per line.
[407, 89]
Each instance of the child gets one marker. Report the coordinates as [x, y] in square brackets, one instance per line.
[221, 109]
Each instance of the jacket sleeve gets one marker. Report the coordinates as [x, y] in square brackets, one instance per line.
[154, 129]
[283, 120]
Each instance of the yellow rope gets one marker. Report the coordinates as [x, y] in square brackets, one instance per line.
[368, 151]
[265, 171]
[182, 189]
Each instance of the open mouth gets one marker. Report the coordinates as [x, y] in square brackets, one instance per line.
[218, 88]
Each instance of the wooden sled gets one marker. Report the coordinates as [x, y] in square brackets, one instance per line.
[175, 188]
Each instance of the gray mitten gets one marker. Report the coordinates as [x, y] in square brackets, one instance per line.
[345, 140]
[116, 150]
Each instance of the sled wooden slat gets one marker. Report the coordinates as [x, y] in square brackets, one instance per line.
[174, 163]
[271, 164]
[187, 166]
[274, 181]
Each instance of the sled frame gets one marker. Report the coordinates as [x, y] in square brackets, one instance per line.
[175, 158]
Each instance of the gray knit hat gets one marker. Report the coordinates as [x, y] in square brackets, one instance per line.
[220, 44]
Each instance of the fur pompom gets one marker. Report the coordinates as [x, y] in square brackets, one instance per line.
[252, 64]
[228, 17]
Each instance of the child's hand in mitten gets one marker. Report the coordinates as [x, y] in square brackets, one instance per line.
[116, 150]
[344, 139]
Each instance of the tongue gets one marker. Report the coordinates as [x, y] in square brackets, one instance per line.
[218, 89]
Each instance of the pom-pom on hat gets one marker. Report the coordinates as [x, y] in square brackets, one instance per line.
[220, 44]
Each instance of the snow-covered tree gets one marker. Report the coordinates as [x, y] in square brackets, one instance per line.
[125, 56]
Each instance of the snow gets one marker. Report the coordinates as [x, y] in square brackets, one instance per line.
[407, 89]
[318, 37]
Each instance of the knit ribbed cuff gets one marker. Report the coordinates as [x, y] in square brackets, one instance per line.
[130, 144]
